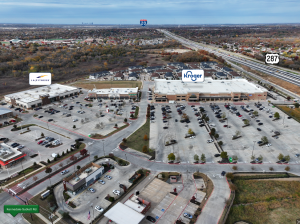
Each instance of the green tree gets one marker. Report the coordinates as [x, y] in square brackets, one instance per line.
[42, 135]
[125, 120]
[255, 113]
[237, 133]
[203, 116]
[203, 158]
[202, 110]
[171, 157]
[246, 122]
[260, 158]
[287, 158]
[296, 105]
[217, 136]
[48, 161]
[235, 158]
[206, 119]
[223, 116]
[224, 155]
[74, 126]
[220, 143]
[280, 156]
[190, 132]
[264, 139]
[252, 157]
[213, 131]
[276, 115]
[78, 167]
[95, 157]
[196, 157]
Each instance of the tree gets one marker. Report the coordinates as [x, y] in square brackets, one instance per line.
[224, 155]
[95, 157]
[35, 178]
[48, 170]
[196, 157]
[246, 122]
[202, 110]
[217, 136]
[203, 158]
[213, 131]
[296, 105]
[48, 161]
[276, 115]
[61, 165]
[131, 115]
[78, 167]
[125, 120]
[42, 135]
[287, 158]
[237, 133]
[171, 157]
[83, 152]
[97, 115]
[264, 139]
[203, 116]
[234, 167]
[74, 126]
[260, 158]
[235, 158]
[190, 132]
[287, 168]
[223, 116]
[145, 150]
[145, 137]
[255, 113]
[124, 140]
[232, 187]
[271, 168]
[229, 176]
[280, 156]
[63, 153]
[206, 119]
[252, 157]
[97, 126]
[288, 98]
[116, 125]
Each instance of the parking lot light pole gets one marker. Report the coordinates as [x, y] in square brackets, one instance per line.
[253, 147]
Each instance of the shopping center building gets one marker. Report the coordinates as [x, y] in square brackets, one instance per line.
[209, 90]
[40, 96]
[114, 93]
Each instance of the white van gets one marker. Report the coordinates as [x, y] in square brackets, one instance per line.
[54, 155]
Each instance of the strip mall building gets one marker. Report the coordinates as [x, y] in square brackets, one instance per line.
[209, 90]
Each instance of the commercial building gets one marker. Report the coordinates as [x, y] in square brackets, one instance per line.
[9, 156]
[83, 177]
[114, 93]
[5, 113]
[41, 96]
[209, 90]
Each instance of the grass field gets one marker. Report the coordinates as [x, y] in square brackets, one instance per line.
[107, 84]
[136, 140]
[291, 112]
[35, 219]
[265, 202]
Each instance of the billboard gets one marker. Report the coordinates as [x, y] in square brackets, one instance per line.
[143, 22]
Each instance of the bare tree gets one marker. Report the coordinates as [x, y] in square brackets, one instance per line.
[82, 121]
[35, 178]
[61, 165]
[86, 119]
[97, 115]
[97, 126]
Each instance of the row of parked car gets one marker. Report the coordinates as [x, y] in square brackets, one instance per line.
[48, 142]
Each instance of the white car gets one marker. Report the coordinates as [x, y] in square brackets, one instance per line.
[91, 190]
[64, 172]
[210, 141]
[269, 144]
[101, 182]
[21, 146]
[75, 120]
[108, 177]
[116, 192]
[99, 209]
[192, 137]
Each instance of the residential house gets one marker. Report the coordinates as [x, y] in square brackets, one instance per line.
[169, 76]
[220, 75]
[133, 76]
[155, 76]
[234, 75]
[119, 76]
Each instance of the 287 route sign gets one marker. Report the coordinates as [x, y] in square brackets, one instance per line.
[272, 59]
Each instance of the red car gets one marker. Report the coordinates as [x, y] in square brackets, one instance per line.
[40, 142]
[225, 126]
[240, 115]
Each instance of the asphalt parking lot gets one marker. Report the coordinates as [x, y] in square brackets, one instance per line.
[243, 147]
[102, 190]
[185, 148]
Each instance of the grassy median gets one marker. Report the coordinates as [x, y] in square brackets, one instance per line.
[136, 140]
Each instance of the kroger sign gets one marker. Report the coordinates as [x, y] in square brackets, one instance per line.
[192, 75]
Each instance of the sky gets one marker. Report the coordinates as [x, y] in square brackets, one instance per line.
[155, 11]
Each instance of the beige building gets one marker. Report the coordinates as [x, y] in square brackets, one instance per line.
[114, 93]
[209, 90]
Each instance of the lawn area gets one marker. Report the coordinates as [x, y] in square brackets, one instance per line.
[36, 219]
[290, 112]
[265, 201]
[98, 136]
[44, 206]
[107, 84]
[136, 140]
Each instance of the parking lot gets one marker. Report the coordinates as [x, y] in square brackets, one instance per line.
[185, 148]
[243, 147]
[85, 197]
[76, 115]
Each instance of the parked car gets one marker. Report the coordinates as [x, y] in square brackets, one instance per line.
[79, 139]
[223, 173]
[98, 208]
[75, 120]
[50, 120]
[269, 144]
[210, 141]
[165, 127]
[187, 215]
[108, 177]
[40, 142]
[91, 190]
[260, 123]
[21, 146]
[116, 192]
[101, 182]
[151, 219]
[64, 172]
[40, 116]
[47, 145]
[217, 155]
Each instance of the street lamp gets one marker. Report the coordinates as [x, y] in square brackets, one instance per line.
[253, 147]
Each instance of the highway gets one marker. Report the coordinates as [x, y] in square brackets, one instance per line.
[267, 69]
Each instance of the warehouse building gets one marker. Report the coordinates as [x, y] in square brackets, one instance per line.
[114, 93]
[209, 90]
[84, 177]
[41, 96]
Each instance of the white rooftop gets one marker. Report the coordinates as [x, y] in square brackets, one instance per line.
[135, 206]
[32, 95]
[4, 110]
[209, 86]
[7, 152]
[115, 91]
[122, 214]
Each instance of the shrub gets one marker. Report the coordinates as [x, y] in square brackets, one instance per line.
[229, 176]
[48, 161]
[145, 150]
[271, 168]
[287, 168]
[234, 167]
[233, 187]
[145, 137]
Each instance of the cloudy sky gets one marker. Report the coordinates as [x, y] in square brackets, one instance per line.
[155, 11]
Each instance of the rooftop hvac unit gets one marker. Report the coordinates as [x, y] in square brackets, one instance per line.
[77, 179]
